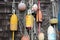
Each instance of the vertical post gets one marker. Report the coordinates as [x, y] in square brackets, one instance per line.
[59, 19]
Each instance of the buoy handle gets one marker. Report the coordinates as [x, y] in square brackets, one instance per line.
[13, 35]
[13, 6]
[13, 11]
[29, 11]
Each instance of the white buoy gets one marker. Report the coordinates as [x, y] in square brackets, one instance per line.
[41, 36]
[21, 6]
[34, 7]
[51, 33]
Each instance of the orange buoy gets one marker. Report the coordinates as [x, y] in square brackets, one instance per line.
[39, 13]
[39, 16]
[25, 37]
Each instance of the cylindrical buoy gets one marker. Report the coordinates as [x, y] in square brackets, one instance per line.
[22, 6]
[39, 16]
[34, 7]
[39, 13]
[53, 21]
[13, 22]
[41, 36]
[51, 33]
[29, 21]
[25, 37]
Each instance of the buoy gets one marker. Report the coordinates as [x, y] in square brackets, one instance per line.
[53, 21]
[39, 13]
[41, 36]
[25, 37]
[29, 20]
[51, 33]
[39, 16]
[13, 22]
[22, 6]
[34, 7]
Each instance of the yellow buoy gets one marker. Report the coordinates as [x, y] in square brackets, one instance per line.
[53, 21]
[13, 22]
[29, 20]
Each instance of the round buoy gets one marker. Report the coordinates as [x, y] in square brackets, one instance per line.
[25, 37]
[13, 22]
[21, 6]
[53, 21]
[41, 36]
[34, 7]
